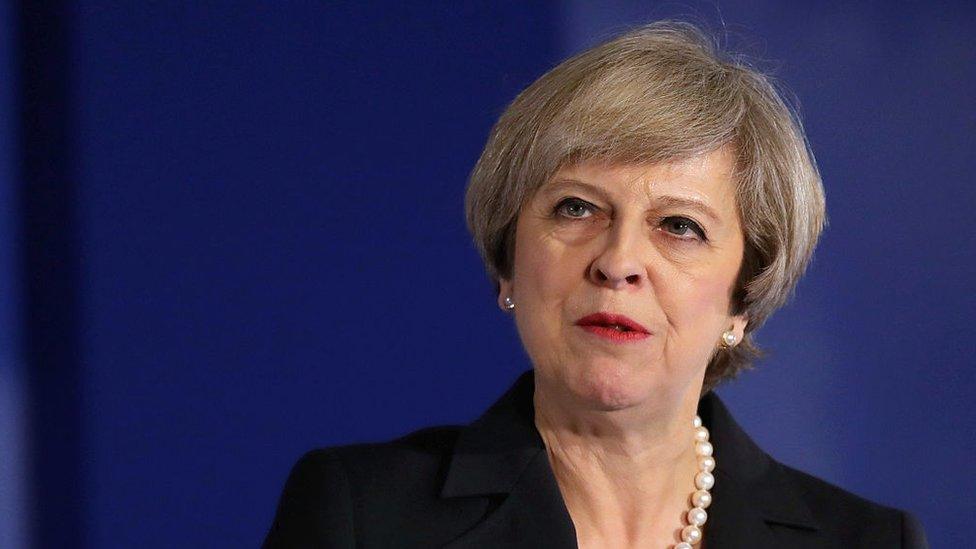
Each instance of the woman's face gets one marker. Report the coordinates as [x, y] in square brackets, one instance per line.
[660, 244]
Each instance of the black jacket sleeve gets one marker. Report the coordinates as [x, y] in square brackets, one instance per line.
[315, 509]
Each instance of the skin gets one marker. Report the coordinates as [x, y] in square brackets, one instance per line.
[617, 418]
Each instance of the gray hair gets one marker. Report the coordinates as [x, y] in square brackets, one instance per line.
[662, 92]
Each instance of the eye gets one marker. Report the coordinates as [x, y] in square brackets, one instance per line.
[684, 228]
[574, 208]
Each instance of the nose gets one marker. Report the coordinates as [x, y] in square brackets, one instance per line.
[619, 264]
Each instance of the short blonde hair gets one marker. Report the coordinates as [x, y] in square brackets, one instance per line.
[662, 92]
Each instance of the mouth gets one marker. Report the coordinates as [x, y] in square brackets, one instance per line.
[613, 326]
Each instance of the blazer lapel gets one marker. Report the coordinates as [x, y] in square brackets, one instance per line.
[733, 521]
[532, 515]
[501, 454]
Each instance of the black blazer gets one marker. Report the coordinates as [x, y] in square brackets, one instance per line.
[490, 485]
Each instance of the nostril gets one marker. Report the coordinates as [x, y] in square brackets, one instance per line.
[633, 279]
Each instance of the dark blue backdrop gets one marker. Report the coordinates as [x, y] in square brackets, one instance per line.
[13, 396]
[239, 235]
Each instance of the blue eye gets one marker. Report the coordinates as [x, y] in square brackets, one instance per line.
[683, 227]
[574, 208]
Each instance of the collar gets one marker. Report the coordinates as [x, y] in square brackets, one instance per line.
[502, 453]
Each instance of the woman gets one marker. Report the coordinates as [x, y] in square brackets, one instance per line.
[642, 208]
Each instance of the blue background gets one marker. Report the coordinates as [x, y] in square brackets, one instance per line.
[233, 231]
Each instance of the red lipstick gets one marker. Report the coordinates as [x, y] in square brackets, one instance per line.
[613, 327]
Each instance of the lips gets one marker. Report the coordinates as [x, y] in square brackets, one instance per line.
[619, 323]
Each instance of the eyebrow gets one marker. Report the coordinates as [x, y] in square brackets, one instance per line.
[664, 200]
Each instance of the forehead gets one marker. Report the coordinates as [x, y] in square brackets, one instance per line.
[707, 177]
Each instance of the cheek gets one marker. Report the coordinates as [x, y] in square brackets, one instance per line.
[697, 306]
[696, 316]
[546, 274]
[545, 270]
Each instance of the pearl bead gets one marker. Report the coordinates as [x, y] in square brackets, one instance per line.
[697, 516]
[704, 480]
[701, 498]
[691, 534]
[701, 434]
[703, 448]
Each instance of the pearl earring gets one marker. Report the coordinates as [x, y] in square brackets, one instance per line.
[728, 339]
[509, 303]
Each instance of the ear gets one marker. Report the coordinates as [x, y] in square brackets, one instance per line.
[504, 290]
[739, 323]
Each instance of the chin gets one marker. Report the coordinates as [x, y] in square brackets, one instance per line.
[609, 387]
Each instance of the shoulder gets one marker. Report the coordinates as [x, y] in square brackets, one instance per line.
[855, 519]
[396, 465]
[392, 486]
[430, 444]
[408, 465]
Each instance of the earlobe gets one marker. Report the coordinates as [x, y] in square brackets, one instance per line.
[743, 321]
[506, 300]
[739, 324]
[736, 332]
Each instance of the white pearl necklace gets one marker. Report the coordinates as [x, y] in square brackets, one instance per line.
[701, 498]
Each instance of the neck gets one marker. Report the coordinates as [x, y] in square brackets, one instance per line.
[623, 473]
